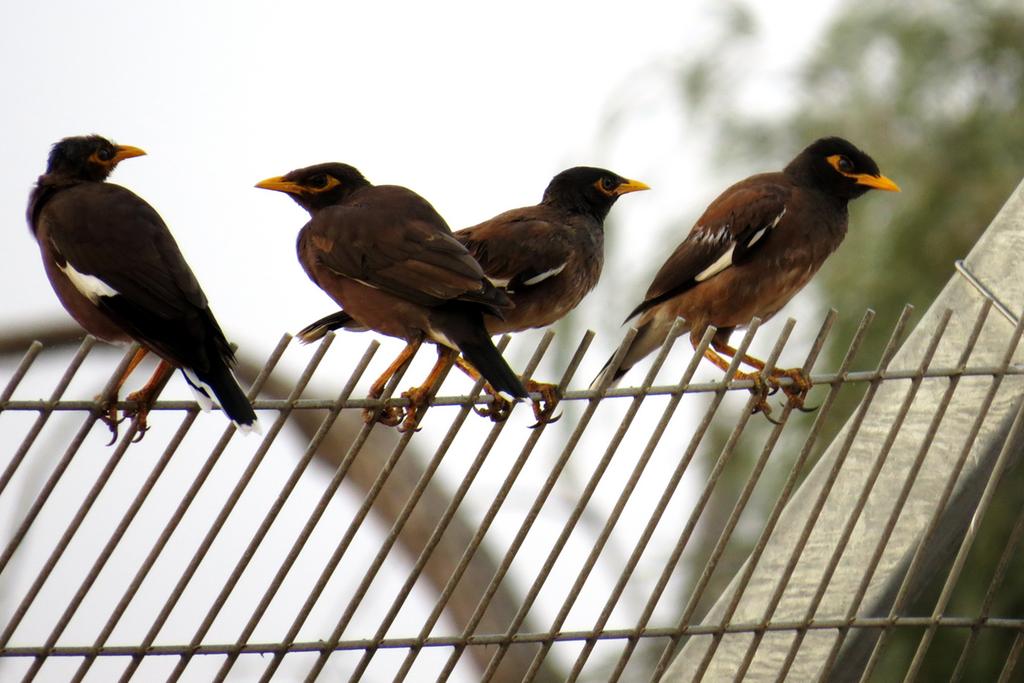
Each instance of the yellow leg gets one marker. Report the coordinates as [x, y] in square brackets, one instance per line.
[500, 408]
[389, 415]
[421, 395]
[108, 401]
[145, 396]
[545, 407]
[795, 392]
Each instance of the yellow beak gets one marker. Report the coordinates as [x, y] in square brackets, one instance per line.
[126, 152]
[279, 184]
[631, 186]
[878, 182]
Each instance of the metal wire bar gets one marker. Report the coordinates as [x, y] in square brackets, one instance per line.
[917, 561]
[684, 537]
[204, 546]
[711, 564]
[815, 510]
[460, 568]
[1006, 675]
[909, 480]
[325, 498]
[371, 573]
[581, 501]
[1008, 555]
[513, 635]
[449, 513]
[996, 382]
[864, 376]
[824, 411]
[972, 530]
[983, 289]
[698, 511]
[534, 510]
[866, 488]
[487, 639]
[225, 511]
[172, 524]
[272, 513]
[357, 521]
[605, 534]
[45, 410]
[748, 488]
[47, 489]
[648, 532]
[115, 536]
[19, 372]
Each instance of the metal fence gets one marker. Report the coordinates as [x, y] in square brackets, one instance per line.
[602, 547]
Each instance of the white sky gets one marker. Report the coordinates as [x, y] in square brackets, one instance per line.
[473, 107]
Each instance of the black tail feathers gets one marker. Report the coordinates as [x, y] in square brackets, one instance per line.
[476, 346]
[232, 399]
[329, 323]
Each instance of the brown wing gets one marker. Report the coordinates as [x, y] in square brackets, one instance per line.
[520, 247]
[109, 233]
[738, 223]
[392, 239]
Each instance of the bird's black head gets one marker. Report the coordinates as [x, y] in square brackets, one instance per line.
[316, 187]
[588, 190]
[87, 157]
[836, 167]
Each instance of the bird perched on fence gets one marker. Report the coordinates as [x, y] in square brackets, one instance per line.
[118, 271]
[753, 249]
[546, 257]
[389, 259]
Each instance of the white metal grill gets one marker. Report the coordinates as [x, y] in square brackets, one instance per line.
[475, 551]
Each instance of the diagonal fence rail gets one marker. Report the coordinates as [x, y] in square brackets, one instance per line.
[658, 531]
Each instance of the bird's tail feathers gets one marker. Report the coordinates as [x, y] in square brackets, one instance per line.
[329, 323]
[221, 383]
[476, 346]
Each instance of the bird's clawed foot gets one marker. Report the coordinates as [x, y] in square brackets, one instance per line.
[498, 409]
[140, 413]
[418, 400]
[108, 414]
[545, 407]
[796, 391]
[387, 415]
[761, 390]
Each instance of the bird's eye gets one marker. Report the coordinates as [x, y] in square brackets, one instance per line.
[105, 154]
[609, 184]
[844, 165]
[317, 182]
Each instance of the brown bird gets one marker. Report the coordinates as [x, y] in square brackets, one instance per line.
[118, 271]
[389, 259]
[753, 249]
[547, 257]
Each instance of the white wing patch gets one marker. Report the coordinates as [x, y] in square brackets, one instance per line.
[500, 281]
[545, 275]
[723, 262]
[760, 233]
[89, 285]
[200, 389]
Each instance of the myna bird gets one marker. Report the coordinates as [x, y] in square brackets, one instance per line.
[753, 249]
[389, 259]
[118, 271]
[546, 257]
